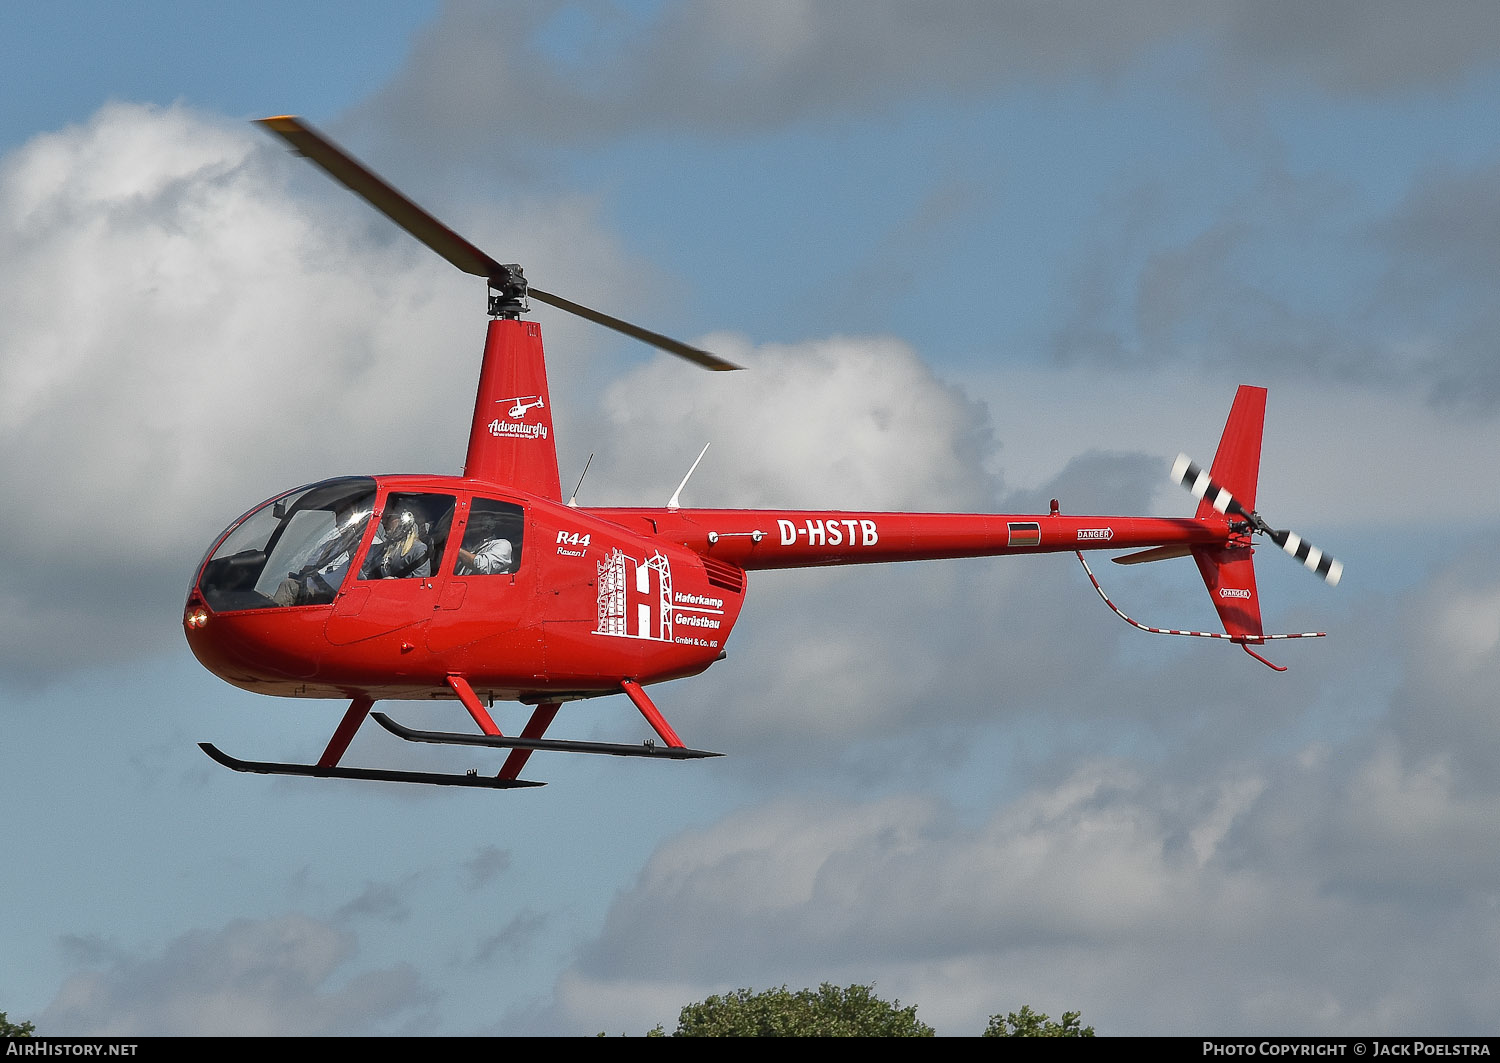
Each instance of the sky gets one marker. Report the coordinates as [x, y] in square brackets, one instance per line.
[974, 256]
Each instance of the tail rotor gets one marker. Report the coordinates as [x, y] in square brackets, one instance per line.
[1197, 480]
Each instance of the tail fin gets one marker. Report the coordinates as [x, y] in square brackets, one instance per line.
[1229, 571]
[1237, 461]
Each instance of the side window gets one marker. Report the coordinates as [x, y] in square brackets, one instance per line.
[492, 540]
[411, 537]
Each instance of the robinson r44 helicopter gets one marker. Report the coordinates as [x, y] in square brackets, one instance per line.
[486, 586]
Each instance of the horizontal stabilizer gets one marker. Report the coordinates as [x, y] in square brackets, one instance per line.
[1156, 553]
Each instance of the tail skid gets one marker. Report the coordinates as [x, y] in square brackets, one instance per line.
[1244, 641]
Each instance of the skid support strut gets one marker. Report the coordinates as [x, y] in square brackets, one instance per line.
[354, 715]
[465, 692]
[535, 728]
[653, 715]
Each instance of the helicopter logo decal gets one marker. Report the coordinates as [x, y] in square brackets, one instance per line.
[517, 425]
[520, 405]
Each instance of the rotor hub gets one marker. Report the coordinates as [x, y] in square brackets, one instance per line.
[508, 292]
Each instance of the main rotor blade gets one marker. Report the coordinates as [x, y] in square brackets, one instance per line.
[364, 182]
[655, 339]
[375, 190]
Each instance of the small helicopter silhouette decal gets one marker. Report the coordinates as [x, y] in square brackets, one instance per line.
[520, 405]
[487, 587]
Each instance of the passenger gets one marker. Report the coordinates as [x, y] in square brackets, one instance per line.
[491, 557]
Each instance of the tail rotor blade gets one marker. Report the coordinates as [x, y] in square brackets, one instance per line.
[1192, 476]
[1313, 559]
[1196, 479]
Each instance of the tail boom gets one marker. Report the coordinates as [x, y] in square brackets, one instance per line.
[767, 539]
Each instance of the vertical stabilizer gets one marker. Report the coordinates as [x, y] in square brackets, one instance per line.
[1237, 461]
[1229, 571]
[510, 440]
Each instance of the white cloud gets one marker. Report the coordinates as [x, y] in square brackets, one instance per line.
[186, 337]
[185, 334]
[1132, 899]
[588, 72]
[842, 423]
[1453, 663]
[280, 977]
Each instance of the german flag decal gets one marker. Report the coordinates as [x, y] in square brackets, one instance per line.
[1024, 533]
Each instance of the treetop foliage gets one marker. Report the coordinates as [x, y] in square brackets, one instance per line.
[827, 1011]
[830, 1011]
[10, 1029]
[1028, 1023]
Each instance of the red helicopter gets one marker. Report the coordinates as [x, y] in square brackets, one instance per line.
[487, 586]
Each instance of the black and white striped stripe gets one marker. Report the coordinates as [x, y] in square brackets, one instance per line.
[1313, 559]
[1195, 479]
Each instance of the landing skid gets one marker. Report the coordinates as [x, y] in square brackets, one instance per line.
[615, 749]
[521, 748]
[266, 767]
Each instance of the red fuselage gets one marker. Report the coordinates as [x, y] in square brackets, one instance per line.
[589, 597]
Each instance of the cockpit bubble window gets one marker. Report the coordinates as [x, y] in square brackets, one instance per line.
[492, 539]
[294, 550]
[411, 537]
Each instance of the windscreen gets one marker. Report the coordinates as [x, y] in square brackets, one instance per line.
[294, 550]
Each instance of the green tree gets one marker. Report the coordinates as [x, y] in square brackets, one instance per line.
[827, 1011]
[1028, 1023]
[10, 1029]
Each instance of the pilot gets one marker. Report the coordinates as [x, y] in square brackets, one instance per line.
[399, 549]
[491, 557]
[318, 580]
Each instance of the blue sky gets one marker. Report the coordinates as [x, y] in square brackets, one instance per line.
[975, 255]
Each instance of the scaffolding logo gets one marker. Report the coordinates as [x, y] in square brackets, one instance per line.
[635, 597]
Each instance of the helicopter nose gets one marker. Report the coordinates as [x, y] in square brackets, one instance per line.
[253, 649]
